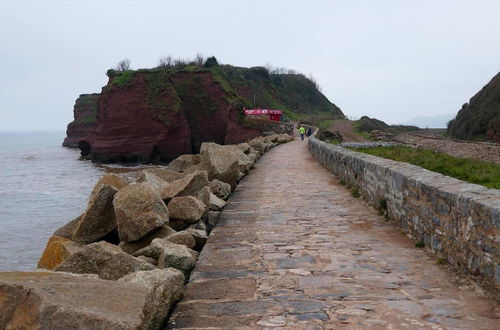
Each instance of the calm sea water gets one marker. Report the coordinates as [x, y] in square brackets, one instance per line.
[42, 186]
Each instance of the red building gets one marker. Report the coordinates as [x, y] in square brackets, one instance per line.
[274, 115]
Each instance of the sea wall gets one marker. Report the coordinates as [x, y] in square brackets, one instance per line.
[458, 221]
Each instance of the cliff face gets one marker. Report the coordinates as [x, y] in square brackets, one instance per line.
[85, 113]
[159, 114]
[480, 118]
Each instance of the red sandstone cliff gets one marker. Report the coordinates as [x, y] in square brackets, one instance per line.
[155, 116]
[84, 112]
[158, 114]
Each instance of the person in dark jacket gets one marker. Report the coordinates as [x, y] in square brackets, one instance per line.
[309, 131]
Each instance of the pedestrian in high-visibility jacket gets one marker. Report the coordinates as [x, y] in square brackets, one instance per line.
[302, 131]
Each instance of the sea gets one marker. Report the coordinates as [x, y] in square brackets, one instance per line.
[42, 186]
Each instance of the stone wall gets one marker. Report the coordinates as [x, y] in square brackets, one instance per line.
[458, 221]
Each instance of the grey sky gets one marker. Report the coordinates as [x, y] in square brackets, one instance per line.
[393, 60]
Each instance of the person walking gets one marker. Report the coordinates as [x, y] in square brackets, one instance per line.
[309, 132]
[302, 131]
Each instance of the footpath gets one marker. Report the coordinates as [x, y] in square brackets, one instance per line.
[293, 249]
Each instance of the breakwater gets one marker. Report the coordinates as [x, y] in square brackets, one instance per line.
[458, 221]
[122, 264]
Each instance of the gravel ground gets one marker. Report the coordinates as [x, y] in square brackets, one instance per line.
[364, 145]
[482, 151]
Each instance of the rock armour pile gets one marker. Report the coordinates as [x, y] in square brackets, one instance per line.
[145, 229]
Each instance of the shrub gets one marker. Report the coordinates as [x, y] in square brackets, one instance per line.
[420, 244]
[382, 204]
[211, 62]
[123, 65]
[199, 59]
[441, 261]
[165, 62]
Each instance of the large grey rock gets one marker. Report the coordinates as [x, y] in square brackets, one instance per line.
[165, 174]
[67, 230]
[183, 238]
[204, 195]
[154, 249]
[190, 185]
[112, 180]
[259, 145]
[104, 259]
[254, 155]
[245, 162]
[283, 138]
[99, 218]
[57, 250]
[215, 203]
[61, 301]
[178, 225]
[169, 254]
[220, 189]
[155, 181]
[244, 147]
[212, 218]
[187, 208]
[148, 260]
[210, 199]
[199, 225]
[221, 163]
[200, 237]
[139, 210]
[138, 175]
[271, 139]
[195, 168]
[177, 256]
[162, 232]
[164, 287]
[133, 176]
[183, 162]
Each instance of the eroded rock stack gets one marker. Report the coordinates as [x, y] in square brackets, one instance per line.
[142, 231]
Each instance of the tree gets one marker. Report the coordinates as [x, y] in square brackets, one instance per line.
[123, 65]
[210, 62]
[179, 62]
[199, 59]
[313, 80]
[165, 62]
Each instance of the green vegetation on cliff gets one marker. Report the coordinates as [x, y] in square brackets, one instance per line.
[294, 93]
[366, 125]
[124, 78]
[480, 118]
[470, 170]
[89, 105]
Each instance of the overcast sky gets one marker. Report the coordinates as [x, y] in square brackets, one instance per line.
[392, 60]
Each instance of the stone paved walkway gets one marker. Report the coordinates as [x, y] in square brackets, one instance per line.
[294, 249]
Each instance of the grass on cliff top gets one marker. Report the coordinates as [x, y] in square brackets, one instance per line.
[123, 79]
[470, 170]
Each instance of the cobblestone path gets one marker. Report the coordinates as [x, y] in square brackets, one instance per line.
[294, 249]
